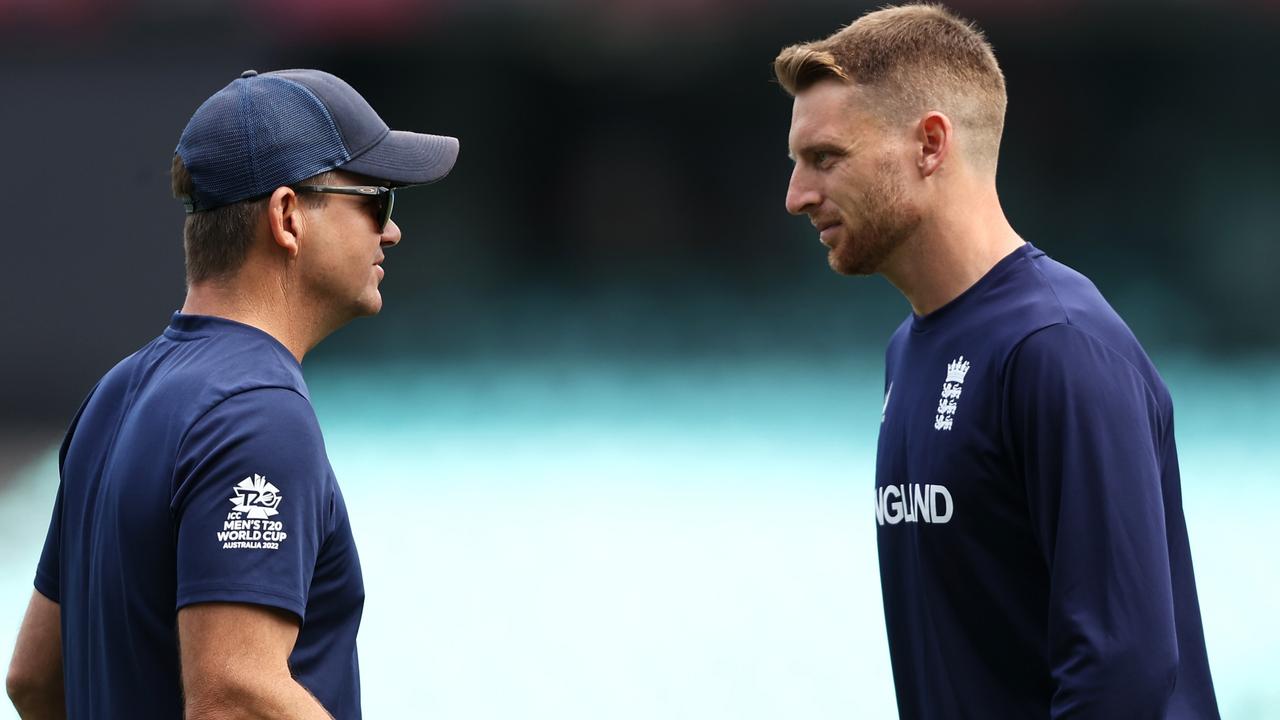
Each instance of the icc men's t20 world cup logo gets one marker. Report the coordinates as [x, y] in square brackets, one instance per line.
[248, 525]
[256, 497]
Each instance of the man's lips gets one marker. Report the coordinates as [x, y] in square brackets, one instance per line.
[827, 233]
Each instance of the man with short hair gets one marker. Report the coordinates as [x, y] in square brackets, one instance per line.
[1034, 558]
[200, 562]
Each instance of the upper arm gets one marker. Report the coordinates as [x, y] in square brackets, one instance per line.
[1086, 429]
[36, 667]
[253, 502]
[228, 648]
[235, 663]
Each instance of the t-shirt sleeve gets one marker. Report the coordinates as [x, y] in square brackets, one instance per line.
[49, 568]
[253, 502]
[1085, 430]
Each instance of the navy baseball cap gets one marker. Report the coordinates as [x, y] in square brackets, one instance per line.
[267, 130]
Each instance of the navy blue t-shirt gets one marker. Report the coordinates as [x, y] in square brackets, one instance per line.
[195, 472]
[1033, 551]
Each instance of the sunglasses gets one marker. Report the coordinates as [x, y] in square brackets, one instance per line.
[386, 197]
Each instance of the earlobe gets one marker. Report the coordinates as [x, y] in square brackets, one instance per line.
[935, 136]
[285, 220]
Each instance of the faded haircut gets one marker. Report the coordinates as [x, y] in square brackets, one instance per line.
[216, 242]
[912, 59]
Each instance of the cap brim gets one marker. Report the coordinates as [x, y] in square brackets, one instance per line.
[407, 158]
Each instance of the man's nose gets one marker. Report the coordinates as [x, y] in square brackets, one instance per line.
[390, 234]
[800, 195]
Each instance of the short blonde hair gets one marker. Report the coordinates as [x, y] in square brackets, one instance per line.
[913, 58]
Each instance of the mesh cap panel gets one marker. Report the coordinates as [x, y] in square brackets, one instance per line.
[255, 135]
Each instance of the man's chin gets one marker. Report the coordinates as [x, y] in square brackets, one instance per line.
[369, 305]
[844, 264]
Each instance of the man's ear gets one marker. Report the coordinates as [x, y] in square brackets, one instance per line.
[935, 136]
[286, 221]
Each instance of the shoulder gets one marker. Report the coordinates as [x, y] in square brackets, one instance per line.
[1062, 347]
[226, 375]
[229, 364]
[231, 390]
[1058, 305]
[1066, 364]
[266, 431]
[280, 413]
[197, 372]
[1073, 299]
[1038, 291]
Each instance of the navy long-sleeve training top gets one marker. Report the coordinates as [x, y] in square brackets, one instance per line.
[1033, 552]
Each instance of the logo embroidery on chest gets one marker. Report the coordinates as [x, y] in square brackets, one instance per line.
[951, 390]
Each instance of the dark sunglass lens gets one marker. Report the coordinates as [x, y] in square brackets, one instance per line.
[388, 202]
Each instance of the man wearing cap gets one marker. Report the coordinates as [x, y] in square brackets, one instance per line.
[200, 562]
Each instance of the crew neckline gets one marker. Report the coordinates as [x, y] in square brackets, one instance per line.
[183, 326]
[925, 323]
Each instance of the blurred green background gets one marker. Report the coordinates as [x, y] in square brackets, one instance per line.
[609, 448]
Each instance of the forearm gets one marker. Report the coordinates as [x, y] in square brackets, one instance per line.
[34, 682]
[1112, 663]
[1137, 687]
[1112, 636]
[274, 697]
[42, 704]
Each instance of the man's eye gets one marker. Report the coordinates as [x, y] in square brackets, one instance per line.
[822, 159]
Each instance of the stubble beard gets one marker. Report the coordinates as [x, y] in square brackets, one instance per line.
[888, 220]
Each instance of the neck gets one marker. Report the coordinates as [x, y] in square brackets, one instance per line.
[952, 250]
[263, 303]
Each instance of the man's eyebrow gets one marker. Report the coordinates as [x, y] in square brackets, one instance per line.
[815, 147]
